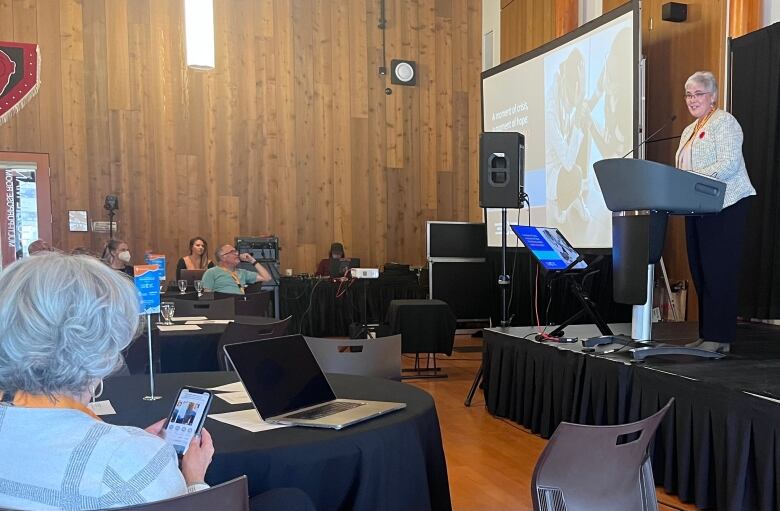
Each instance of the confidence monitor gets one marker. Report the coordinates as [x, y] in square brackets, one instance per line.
[549, 247]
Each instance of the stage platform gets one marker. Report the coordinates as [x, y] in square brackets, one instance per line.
[718, 446]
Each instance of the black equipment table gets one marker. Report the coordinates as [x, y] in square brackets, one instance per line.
[323, 307]
[394, 462]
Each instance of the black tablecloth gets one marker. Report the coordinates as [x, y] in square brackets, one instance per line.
[323, 307]
[716, 447]
[394, 462]
[427, 326]
[183, 351]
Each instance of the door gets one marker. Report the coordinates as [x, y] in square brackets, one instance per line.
[26, 206]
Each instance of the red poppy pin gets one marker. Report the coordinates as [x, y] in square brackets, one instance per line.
[701, 135]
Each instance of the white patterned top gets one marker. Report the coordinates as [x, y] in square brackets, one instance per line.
[716, 152]
[54, 458]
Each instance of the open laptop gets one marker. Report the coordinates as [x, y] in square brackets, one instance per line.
[549, 247]
[340, 267]
[287, 386]
[192, 275]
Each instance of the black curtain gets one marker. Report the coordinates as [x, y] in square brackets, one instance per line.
[553, 292]
[756, 105]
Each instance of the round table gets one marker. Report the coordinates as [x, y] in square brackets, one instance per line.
[391, 462]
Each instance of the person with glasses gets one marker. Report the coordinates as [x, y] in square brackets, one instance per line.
[712, 146]
[227, 277]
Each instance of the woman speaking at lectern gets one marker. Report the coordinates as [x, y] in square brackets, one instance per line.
[712, 146]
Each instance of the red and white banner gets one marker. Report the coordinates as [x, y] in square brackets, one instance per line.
[20, 65]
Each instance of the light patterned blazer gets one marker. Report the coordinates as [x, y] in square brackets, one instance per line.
[64, 459]
[717, 153]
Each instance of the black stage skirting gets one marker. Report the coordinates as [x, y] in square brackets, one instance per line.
[393, 462]
[717, 447]
[324, 308]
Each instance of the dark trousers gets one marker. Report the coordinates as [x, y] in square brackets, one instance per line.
[715, 256]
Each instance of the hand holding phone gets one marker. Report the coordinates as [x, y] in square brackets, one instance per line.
[186, 417]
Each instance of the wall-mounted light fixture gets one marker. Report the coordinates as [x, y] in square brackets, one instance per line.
[199, 33]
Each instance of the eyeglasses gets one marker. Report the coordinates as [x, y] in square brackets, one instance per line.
[697, 95]
[234, 251]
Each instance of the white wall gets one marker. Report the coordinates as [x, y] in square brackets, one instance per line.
[491, 22]
[771, 12]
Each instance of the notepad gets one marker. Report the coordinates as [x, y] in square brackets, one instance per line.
[189, 318]
[235, 398]
[209, 322]
[236, 386]
[248, 420]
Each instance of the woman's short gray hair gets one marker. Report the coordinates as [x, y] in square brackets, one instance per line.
[705, 79]
[64, 321]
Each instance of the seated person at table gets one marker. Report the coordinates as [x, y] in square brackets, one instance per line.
[198, 258]
[65, 321]
[116, 254]
[226, 277]
[336, 252]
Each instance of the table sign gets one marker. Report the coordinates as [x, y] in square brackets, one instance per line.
[147, 282]
[159, 260]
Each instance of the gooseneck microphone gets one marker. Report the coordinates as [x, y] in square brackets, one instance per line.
[648, 139]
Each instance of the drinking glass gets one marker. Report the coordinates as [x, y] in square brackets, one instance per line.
[182, 286]
[199, 287]
[167, 310]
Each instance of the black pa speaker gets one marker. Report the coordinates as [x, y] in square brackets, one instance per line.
[501, 169]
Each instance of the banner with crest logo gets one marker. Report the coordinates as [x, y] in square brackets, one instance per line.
[20, 65]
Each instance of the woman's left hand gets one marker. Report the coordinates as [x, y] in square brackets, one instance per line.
[156, 428]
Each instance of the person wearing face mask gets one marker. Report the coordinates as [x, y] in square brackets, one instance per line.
[198, 258]
[336, 252]
[712, 146]
[117, 255]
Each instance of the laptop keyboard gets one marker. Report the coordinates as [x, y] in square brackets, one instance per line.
[324, 410]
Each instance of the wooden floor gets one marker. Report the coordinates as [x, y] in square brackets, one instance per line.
[489, 460]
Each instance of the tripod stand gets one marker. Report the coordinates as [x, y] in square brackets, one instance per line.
[503, 283]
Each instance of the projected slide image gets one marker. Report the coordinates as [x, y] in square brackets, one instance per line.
[577, 108]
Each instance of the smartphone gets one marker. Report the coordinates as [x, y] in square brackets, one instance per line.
[187, 417]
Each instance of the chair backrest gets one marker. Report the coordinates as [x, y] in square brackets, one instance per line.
[253, 304]
[230, 496]
[212, 309]
[597, 467]
[242, 332]
[167, 297]
[380, 357]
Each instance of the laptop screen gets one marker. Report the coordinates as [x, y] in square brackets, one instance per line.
[340, 267]
[549, 247]
[280, 374]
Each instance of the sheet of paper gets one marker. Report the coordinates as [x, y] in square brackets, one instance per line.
[230, 387]
[177, 328]
[235, 398]
[245, 419]
[189, 318]
[102, 408]
[209, 322]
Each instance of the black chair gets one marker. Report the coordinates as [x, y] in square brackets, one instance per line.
[167, 297]
[255, 304]
[380, 357]
[241, 332]
[597, 467]
[250, 304]
[212, 309]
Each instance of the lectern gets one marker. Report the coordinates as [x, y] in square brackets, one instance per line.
[633, 190]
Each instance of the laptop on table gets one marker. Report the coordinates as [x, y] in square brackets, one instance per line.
[287, 385]
[340, 267]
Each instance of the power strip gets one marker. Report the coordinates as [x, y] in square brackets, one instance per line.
[364, 273]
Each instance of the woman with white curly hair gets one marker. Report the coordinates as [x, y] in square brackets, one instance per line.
[64, 321]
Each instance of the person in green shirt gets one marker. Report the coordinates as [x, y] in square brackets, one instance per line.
[226, 277]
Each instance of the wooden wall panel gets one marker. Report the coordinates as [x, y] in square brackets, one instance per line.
[528, 24]
[291, 134]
